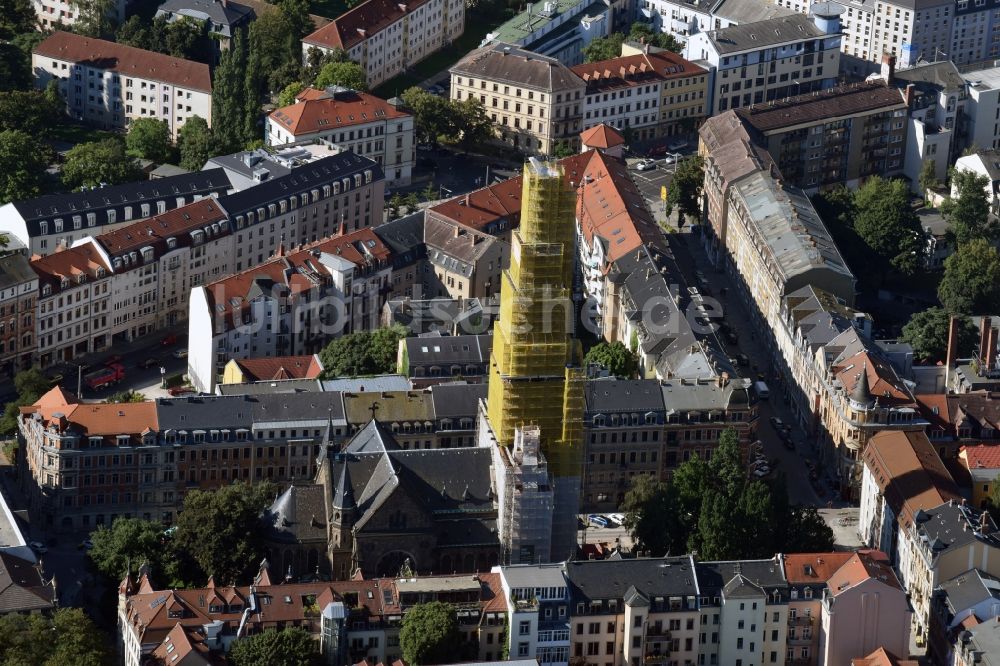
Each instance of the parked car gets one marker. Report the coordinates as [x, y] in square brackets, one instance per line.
[38, 547]
[180, 390]
[170, 339]
[617, 518]
[150, 362]
[657, 150]
[111, 360]
[679, 144]
[86, 544]
[597, 520]
[669, 159]
[180, 353]
[760, 473]
[777, 423]
[646, 165]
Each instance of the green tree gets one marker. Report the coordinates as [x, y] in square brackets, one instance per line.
[685, 189]
[194, 141]
[927, 333]
[98, 162]
[128, 544]
[474, 127]
[928, 179]
[30, 386]
[614, 357]
[362, 352]
[344, 74]
[562, 149]
[432, 115]
[229, 102]
[836, 208]
[971, 282]
[149, 138]
[68, 638]
[429, 193]
[134, 32]
[969, 213]
[604, 48]
[217, 530]
[808, 532]
[412, 202]
[642, 32]
[16, 17]
[187, 38]
[287, 96]
[653, 516]
[125, 397]
[25, 159]
[95, 18]
[15, 68]
[30, 111]
[296, 14]
[275, 51]
[315, 59]
[429, 634]
[393, 206]
[289, 647]
[885, 221]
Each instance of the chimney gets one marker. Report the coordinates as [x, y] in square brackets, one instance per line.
[888, 67]
[952, 342]
[984, 521]
[908, 95]
[991, 349]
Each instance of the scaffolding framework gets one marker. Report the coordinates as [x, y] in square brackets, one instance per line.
[536, 378]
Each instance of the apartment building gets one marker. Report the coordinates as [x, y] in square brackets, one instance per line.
[221, 17]
[646, 426]
[74, 303]
[463, 263]
[290, 305]
[939, 544]
[982, 463]
[18, 297]
[348, 120]
[864, 608]
[107, 85]
[979, 644]
[644, 610]
[534, 101]
[560, 29]
[47, 223]
[981, 106]
[840, 135]
[387, 38]
[647, 94]
[445, 358]
[759, 62]
[963, 603]
[54, 14]
[681, 19]
[538, 612]
[808, 576]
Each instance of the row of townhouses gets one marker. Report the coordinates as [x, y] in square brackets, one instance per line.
[817, 608]
[113, 264]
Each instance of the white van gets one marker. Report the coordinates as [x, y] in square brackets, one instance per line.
[761, 389]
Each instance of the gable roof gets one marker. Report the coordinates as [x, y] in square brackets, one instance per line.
[804, 568]
[822, 106]
[280, 367]
[70, 264]
[178, 224]
[638, 69]
[614, 579]
[860, 567]
[761, 34]
[322, 110]
[22, 588]
[95, 419]
[882, 657]
[511, 64]
[126, 60]
[361, 22]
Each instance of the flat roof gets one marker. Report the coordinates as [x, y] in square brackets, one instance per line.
[532, 19]
[439, 584]
[821, 106]
[534, 575]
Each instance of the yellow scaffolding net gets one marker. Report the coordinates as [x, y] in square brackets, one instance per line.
[535, 373]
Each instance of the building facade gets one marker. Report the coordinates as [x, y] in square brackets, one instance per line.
[108, 85]
[18, 300]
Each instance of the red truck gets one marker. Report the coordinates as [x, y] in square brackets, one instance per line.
[106, 376]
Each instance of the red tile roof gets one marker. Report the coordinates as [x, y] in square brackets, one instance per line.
[813, 567]
[982, 456]
[293, 272]
[882, 657]
[359, 23]
[280, 367]
[860, 567]
[478, 209]
[126, 60]
[883, 382]
[70, 263]
[182, 647]
[909, 472]
[176, 223]
[602, 136]
[96, 419]
[635, 70]
[318, 111]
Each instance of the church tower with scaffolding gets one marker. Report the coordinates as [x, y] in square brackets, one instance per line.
[536, 376]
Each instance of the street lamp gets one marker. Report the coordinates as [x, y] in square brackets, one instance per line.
[442, 188]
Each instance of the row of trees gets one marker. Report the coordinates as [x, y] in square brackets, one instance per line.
[215, 534]
[713, 508]
[183, 38]
[606, 48]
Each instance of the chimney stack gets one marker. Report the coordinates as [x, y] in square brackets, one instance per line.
[888, 67]
[991, 348]
[952, 346]
[908, 95]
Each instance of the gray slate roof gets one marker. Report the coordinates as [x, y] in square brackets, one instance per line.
[22, 588]
[374, 384]
[628, 395]
[297, 515]
[952, 525]
[506, 63]
[714, 576]
[447, 350]
[763, 34]
[221, 13]
[612, 579]
[15, 269]
[457, 400]
[969, 589]
[205, 412]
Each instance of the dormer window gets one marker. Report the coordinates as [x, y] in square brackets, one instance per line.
[47, 290]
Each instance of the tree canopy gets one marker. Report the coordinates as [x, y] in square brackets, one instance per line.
[95, 18]
[429, 634]
[971, 282]
[685, 188]
[68, 638]
[25, 159]
[344, 74]
[291, 646]
[886, 222]
[432, 115]
[16, 17]
[713, 508]
[98, 162]
[927, 333]
[287, 95]
[233, 98]
[128, 544]
[30, 111]
[604, 48]
[614, 357]
[643, 32]
[30, 386]
[215, 529]
[969, 212]
[149, 138]
[362, 352]
[194, 142]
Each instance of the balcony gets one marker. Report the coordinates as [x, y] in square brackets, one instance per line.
[657, 657]
[800, 621]
[657, 633]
